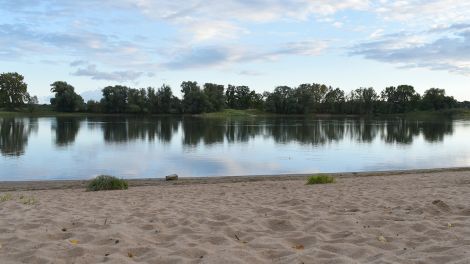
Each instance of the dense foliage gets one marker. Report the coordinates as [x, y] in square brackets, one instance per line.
[66, 100]
[13, 91]
[304, 99]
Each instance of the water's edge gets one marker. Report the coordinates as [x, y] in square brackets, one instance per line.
[76, 184]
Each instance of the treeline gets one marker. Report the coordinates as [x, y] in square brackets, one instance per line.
[195, 99]
[306, 98]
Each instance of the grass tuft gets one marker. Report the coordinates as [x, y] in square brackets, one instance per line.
[320, 179]
[6, 197]
[28, 200]
[105, 182]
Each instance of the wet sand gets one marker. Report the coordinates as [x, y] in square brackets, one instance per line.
[412, 217]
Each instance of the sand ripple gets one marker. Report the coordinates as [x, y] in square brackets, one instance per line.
[422, 218]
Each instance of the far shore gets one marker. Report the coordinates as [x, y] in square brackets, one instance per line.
[235, 113]
[76, 184]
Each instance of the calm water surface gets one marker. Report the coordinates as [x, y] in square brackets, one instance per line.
[133, 147]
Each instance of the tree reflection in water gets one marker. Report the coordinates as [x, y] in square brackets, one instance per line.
[14, 133]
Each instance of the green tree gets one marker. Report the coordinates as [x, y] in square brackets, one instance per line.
[281, 101]
[194, 100]
[115, 98]
[137, 101]
[243, 97]
[13, 90]
[436, 99]
[230, 97]
[363, 101]
[334, 100]
[400, 99]
[257, 100]
[65, 98]
[215, 95]
[166, 101]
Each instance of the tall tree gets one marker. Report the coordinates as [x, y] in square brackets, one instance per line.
[281, 100]
[65, 98]
[194, 100]
[166, 100]
[334, 100]
[363, 100]
[215, 95]
[115, 98]
[13, 90]
[400, 99]
[436, 99]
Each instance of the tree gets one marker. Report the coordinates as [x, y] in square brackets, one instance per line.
[137, 101]
[243, 97]
[281, 100]
[362, 101]
[167, 103]
[436, 99]
[115, 98]
[230, 98]
[257, 100]
[13, 90]
[304, 98]
[194, 100]
[65, 99]
[400, 99]
[215, 96]
[334, 100]
[238, 97]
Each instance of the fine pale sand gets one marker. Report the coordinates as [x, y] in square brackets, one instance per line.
[411, 218]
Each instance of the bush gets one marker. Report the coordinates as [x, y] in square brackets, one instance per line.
[320, 179]
[104, 182]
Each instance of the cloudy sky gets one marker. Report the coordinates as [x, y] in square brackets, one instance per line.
[259, 43]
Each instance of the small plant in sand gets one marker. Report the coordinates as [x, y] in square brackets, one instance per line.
[28, 200]
[5, 197]
[105, 182]
[320, 179]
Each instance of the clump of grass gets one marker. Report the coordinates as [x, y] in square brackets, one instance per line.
[28, 200]
[6, 197]
[320, 179]
[105, 182]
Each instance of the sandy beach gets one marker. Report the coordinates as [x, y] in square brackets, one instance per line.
[408, 218]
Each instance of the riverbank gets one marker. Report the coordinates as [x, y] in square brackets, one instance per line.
[398, 217]
[81, 184]
[235, 113]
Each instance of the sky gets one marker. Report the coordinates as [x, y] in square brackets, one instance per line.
[260, 43]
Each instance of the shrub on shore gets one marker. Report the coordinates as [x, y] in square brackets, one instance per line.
[320, 179]
[104, 182]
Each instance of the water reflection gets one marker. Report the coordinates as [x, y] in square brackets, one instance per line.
[14, 133]
[117, 130]
[66, 130]
[192, 131]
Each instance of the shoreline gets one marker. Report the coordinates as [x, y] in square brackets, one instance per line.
[235, 113]
[6, 186]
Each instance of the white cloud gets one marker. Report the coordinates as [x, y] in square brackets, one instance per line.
[120, 76]
[443, 49]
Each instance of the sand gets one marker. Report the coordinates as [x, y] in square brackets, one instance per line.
[412, 218]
